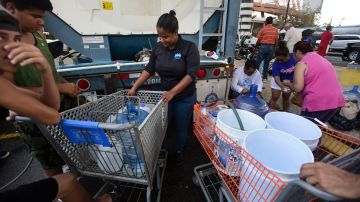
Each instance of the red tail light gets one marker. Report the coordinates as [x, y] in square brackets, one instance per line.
[216, 72]
[83, 84]
[201, 73]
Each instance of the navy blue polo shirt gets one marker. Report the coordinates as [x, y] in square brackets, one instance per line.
[173, 65]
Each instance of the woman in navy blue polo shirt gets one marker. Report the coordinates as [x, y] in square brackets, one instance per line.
[176, 61]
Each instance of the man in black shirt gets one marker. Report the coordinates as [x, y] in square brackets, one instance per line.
[177, 62]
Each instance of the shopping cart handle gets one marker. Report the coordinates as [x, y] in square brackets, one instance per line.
[23, 119]
[315, 191]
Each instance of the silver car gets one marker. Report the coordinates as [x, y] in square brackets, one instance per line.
[340, 42]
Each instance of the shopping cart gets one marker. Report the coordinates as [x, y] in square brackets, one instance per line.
[244, 178]
[96, 139]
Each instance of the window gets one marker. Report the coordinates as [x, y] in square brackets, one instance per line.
[346, 38]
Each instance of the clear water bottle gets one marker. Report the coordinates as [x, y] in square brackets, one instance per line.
[218, 48]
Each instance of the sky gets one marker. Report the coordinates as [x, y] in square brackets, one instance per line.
[346, 12]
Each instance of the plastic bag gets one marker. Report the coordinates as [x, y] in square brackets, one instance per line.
[350, 111]
[341, 123]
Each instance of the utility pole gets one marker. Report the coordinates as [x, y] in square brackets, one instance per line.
[287, 11]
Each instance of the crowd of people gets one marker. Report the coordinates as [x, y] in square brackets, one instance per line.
[297, 68]
[33, 88]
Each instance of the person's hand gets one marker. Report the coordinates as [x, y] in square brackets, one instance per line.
[331, 179]
[168, 95]
[287, 83]
[70, 89]
[132, 92]
[26, 54]
[11, 116]
[245, 91]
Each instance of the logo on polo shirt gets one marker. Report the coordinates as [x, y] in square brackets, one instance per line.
[177, 56]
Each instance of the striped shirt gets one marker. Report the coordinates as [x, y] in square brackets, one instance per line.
[268, 35]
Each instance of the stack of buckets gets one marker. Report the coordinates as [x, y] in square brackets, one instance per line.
[282, 142]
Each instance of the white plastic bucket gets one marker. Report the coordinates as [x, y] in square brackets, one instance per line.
[257, 185]
[298, 126]
[227, 122]
[278, 151]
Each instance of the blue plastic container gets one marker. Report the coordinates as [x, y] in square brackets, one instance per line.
[130, 148]
[252, 103]
[353, 95]
[132, 115]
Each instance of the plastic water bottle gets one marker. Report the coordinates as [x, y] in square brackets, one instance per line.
[132, 114]
[218, 48]
[131, 154]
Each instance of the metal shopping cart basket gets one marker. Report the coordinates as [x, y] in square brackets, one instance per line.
[244, 178]
[102, 139]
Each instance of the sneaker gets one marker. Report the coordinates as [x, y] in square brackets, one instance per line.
[179, 159]
[4, 154]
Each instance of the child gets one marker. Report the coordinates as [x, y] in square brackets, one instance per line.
[282, 70]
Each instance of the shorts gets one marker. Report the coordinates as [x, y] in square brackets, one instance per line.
[274, 85]
[41, 191]
[40, 147]
[323, 116]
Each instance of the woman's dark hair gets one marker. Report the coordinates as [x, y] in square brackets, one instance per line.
[168, 22]
[282, 50]
[250, 63]
[303, 47]
[44, 5]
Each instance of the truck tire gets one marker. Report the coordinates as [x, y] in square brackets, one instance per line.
[353, 54]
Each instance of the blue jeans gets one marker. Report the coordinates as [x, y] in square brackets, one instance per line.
[180, 111]
[266, 53]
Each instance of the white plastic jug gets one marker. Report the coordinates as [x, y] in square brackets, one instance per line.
[109, 158]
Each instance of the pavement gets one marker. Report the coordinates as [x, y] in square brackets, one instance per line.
[177, 185]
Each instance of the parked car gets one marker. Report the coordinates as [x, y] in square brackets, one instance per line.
[340, 42]
[351, 52]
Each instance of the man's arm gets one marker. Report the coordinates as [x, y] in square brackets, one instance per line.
[332, 179]
[25, 54]
[26, 105]
[64, 87]
[235, 81]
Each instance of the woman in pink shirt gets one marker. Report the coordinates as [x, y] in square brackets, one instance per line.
[315, 78]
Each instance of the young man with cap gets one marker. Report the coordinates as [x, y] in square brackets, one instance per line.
[30, 14]
[41, 107]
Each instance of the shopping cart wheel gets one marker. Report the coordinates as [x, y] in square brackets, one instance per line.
[195, 180]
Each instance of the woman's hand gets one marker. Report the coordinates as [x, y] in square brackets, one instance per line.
[287, 83]
[168, 95]
[132, 92]
[26, 54]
